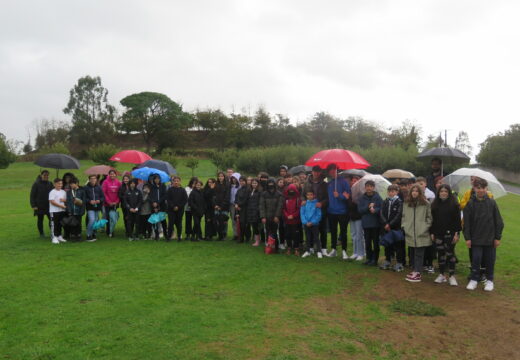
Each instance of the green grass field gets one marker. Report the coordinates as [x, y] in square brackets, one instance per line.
[115, 299]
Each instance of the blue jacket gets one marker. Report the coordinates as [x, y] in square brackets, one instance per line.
[310, 213]
[369, 220]
[339, 205]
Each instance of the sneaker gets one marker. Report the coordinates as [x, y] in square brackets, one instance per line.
[453, 281]
[489, 286]
[130, 239]
[282, 246]
[413, 277]
[385, 265]
[472, 285]
[344, 255]
[61, 239]
[306, 254]
[332, 253]
[161, 235]
[440, 279]
[353, 257]
[324, 252]
[320, 255]
[398, 267]
[430, 270]
[55, 240]
[311, 251]
[360, 258]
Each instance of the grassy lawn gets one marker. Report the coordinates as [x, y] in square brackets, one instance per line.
[219, 300]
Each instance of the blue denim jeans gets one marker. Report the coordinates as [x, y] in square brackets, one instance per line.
[93, 216]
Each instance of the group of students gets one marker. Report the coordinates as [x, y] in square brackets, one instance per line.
[423, 215]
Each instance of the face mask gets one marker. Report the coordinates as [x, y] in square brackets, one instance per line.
[291, 193]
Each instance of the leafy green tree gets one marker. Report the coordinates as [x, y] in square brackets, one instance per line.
[50, 132]
[502, 150]
[407, 136]
[7, 156]
[92, 116]
[155, 116]
[192, 163]
[100, 154]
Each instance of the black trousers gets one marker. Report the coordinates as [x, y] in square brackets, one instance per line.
[189, 223]
[132, 224]
[372, 243]
[145, 228]
[486, 255]
[397, 250]
[292, 235]
[56, 218]
[73, 230]
[245, 230]
[197, 229]
[209, 221]
[175, 219]
[39, 222]
[322, 229]
[342, 220]
[429, 255]
[313, 237]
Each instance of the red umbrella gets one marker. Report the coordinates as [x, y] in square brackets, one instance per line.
[100, 170]
[131, 156]
[344, 159]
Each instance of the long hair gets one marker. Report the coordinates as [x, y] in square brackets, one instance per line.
[421, 199]
[225, 182]
[207, 183]
[452, 200]
[193, 181]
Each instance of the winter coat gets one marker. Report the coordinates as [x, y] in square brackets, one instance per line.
[339, 205]
[391, 212]
[446, 217]
[209, 201]
[176, 197]
[39, 197]
[320, 191]
[270, 203]
[158, 195]
[241, 201]
[111, 191]
[188, 192]
[196, 202]
[146, 206]
[482, 222]
[233, 189]
[416, 222]
[291, 205]
[370, 220]
[222, 195]
[93, 193]
[253, 206]
[353, 210]
[133, 199]
[310, 213]
[122, 191]
[72, 207]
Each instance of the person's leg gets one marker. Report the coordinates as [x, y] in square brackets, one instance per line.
[178, 222]
[58, 226]
[147, 226]
[51, 215]
[476, 261]
[323, 229]
[440, 244]
[90, 222]
[400, 252]
[368, 245]
[333, 225]
[39, 223]
[188, 223]
[451, 259]
[308, 238]
[315, 235]
[375, 243]
[171, 222]
[389, 250]
[489, 256]
[232, 213]
[418, 259]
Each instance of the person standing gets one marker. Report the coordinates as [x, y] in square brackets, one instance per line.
[133, 200]
[39, 199]
[337, 211]
[76, 208]
[370, 208]
[94, 199]
[176, 199]
[57, 208]
[111, 188]
[188, 218]
[198, 207]
[271, 209]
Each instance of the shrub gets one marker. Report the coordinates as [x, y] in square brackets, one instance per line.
[192, 163]
[6, 155]
[169, 155]
[224, 159]
[101, 154]
[57, 148]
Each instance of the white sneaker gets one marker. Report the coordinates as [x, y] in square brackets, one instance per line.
[282, 246]
[489, 286]
[55, 240]
[161, 235]
[305, 254]
[353, 257]
[472, 285]
[324, 252]
[345, 256]
[332, 253]
[453, 281]
[440, 279]
[130, 239]
[320, 255]
[61, 239]
[360, 258]
[311, 251]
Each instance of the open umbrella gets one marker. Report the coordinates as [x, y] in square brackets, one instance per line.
[145, 173]
[398, 174]
[57, 161]
[299, 169]
[343, 159]
[131, 156]
[358, 189]
[451, 155]
[159, 165]
[100, 170]
[460, 181]
[354, 172]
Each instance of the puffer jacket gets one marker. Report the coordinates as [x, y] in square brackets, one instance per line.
[253, 206]
[271, 203]
[309, 213]
[416, 222]
[291, 205]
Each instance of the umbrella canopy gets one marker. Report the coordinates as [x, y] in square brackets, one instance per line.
[99, 224]
[358, 189]
[57, 161]
[145, 173]
[160, 165]
[398, 174]
[460, 181]
[354, 172]
[157, 217]
[299, 169]
[100, 170]
[131, 156]
[451, 155]
[343, 159]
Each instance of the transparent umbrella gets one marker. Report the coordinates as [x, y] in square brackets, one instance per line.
[358, 189]
[460, 181]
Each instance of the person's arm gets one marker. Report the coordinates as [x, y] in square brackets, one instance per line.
[363, 206]
[302, 215]
[139, 200]
[468, 209]
[377, 204]
[184, 198]
[317, 216]
[33, 195]
[429, 218]
[499, 223]
[101, 198]
[261, 207]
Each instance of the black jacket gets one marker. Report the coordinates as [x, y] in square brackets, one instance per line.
[158, 195]
[222, 195]
[72, 208]
[176, 197]
[320, 191]
[271, 204]
[353, 210]
[40, 195]
[122, 192]
[209, 201]
[253, 206]
[482, 222]
[133, 199]
[196, 203]
[241, 201]
[94, 193]
[391, 213]
[446, 217]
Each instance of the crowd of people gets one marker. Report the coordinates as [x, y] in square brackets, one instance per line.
[422, 215]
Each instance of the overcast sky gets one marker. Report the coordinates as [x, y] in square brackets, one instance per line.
[444, 64]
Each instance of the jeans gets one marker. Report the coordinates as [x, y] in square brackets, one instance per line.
[342, 220]
[93, 216]
[358, 237]
[486, 255]
[418, 258]
[372, 243]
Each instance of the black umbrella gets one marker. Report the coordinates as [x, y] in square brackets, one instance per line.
[57, 161]
[454, 156]
[159, 165]
[299, 169]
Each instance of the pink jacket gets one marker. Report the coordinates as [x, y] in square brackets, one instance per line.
[111, 191]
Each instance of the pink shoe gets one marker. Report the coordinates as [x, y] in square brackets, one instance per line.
[413, 277]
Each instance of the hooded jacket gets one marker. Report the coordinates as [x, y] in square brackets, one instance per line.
[309, 213]
[370, 220]
[271, 202]
[133, 199]
[233, 189]
[291, 205]
[391, 212]
[158, 193]
[253, 206]
[94, 193]
[72, 207]
[176, 197]
[196, 202]
[416, 222]
[111, 191]
[40, 195]
[482, 222]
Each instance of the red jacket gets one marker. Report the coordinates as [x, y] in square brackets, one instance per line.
[291, 205]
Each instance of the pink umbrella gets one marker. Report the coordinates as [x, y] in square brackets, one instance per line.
[131, 156]
[343, 159]
[100, 170]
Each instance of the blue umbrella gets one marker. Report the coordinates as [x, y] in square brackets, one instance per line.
[157, 217]
[146, 172]
[99, 224]
[159, 165]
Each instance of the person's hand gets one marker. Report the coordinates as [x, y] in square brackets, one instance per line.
[217, 207]
[456, 238]
[175, 208]
[318, 205]
[276, 220]
[35, 208]
[432, 237]
[304, 202]
[309, 224]
[92, 202]
[468, 244]
[290, 217]
[346, 195]
[98, 201]
[496, 243]
[63, 199]
[264, 220]
[336, 194]
[387, 228]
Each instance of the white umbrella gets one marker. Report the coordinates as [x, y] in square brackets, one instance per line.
[460, 181]
[358, 189]
[398, 174]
